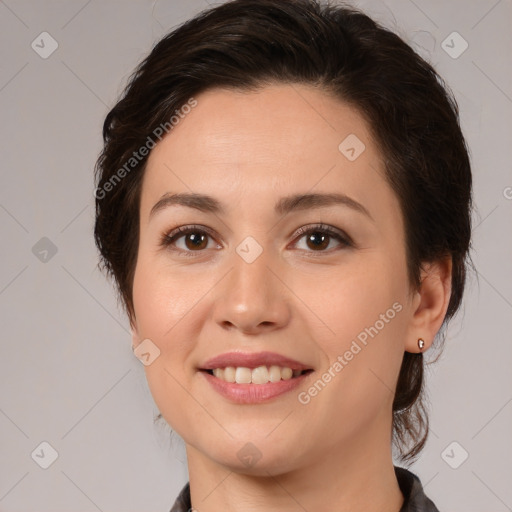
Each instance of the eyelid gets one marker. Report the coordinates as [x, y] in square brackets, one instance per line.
[181, 230]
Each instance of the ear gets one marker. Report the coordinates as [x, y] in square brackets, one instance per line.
[430, 303]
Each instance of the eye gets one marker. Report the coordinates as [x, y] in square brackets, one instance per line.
[195, 238]
[319, 236]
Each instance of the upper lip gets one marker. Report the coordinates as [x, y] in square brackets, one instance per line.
[252, 360]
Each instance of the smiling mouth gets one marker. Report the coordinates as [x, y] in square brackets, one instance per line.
[259, 375]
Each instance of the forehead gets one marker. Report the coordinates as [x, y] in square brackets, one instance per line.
[249, 145]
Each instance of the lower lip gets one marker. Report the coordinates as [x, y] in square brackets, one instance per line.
[253, 393]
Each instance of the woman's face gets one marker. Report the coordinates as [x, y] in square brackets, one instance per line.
[244, 281]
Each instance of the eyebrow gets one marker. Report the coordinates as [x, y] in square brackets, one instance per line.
[285, 205]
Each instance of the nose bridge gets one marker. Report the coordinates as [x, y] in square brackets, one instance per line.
[252, 253]
[250, 275]
[251, 295]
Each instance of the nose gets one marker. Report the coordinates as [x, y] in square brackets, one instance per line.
[252, 298]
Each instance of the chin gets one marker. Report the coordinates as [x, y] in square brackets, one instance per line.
[257, 458]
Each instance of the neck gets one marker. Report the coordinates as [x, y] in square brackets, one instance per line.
[360, 477]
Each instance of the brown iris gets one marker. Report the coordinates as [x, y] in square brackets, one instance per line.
[196, 240]
[324, 240]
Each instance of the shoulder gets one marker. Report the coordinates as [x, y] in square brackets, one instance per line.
[415, 499]
[182, 503]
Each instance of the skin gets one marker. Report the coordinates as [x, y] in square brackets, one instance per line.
[248, 150]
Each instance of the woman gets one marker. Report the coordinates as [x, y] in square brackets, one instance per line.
[283, 200]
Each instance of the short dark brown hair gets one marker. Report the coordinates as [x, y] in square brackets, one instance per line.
[248, 44]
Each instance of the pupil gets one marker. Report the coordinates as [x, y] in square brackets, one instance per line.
[322, 238]
[196, 240]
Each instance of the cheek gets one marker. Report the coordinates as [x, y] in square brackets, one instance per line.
[164, 307]
[350, 298]
[363, 315]
[162, 297]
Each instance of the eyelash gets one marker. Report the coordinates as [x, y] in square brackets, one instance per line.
[170, 238]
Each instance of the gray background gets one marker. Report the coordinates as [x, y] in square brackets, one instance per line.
[68, 375]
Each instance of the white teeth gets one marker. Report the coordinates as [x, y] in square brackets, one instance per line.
[259, 375]
[243, 375]
[275, 374]
[286, 373]
[229, 374]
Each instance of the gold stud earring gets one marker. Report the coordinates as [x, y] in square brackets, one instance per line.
[421, 344]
